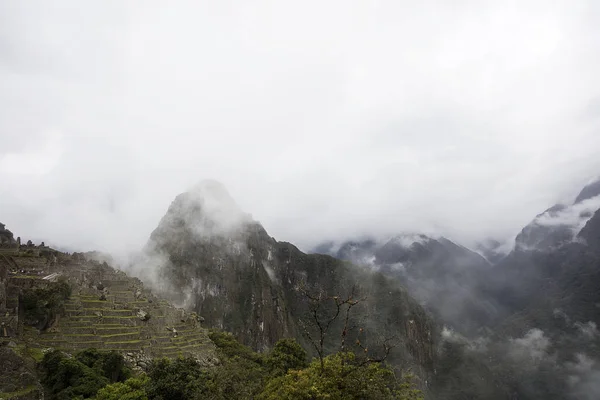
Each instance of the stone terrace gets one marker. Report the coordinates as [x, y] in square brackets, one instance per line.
[109, 310]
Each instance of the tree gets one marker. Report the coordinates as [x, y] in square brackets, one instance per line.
[67, 378]
[181, 379]
[324, 311]
[81, 376]
[131, 389]
[241, 374]
[286, 355]
[43, 304]
[339, 377]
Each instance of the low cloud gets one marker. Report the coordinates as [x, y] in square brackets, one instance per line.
[584, 378]
[588, 330]
[379, 118]
[575, 216]
[532, 347]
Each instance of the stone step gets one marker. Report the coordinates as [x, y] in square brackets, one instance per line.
[71, 345]
[115, 330]
[129, 344]
[122, 336]
[161, 340]
[122, 299]
[96, 303]
[81, 319]
[107, 312]
[70, 337]
[128, 320]
[86, 329]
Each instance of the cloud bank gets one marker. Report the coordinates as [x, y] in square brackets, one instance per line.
[322, 120]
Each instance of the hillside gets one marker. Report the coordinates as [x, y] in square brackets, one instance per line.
[104, 309]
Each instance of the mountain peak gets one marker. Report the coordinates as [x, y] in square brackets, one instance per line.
[206, 209]
[589, 191]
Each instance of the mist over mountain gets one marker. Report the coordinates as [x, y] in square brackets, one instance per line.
[433, 156]
[439, 273]
[525, 325]
[210, 257]
[529, 318]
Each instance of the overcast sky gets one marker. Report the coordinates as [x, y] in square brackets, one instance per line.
[324, 119]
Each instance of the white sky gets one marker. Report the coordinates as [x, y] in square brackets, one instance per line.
[323, 119]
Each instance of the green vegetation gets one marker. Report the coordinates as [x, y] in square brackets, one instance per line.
[342, 378]
[17, 394]
[131, 389]
[81, 376]
[283, 373]
[43, 304]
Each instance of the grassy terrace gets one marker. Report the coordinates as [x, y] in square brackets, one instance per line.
[17, 394]
[119, 328]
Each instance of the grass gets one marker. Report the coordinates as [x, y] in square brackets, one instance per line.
[22, 392]
[95, 301]
[116, 335]
[33, 352]
[127, 342]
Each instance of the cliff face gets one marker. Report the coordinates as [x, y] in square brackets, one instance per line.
[216, 260]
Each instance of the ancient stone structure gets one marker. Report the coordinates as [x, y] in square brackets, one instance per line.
[107, 310]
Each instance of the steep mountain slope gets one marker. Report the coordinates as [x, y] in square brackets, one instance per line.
[554, 265]
[531, 317]
[438, 272]
[216, 260]
[560, 223]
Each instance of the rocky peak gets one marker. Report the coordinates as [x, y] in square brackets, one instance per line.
[589, 191]
[204, 211]
[591, 232]
[561, 223]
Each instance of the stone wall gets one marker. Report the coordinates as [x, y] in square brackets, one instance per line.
[3, 284]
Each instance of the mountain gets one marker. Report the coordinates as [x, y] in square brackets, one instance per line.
[554, 260]
[522, 325]
[544, 338]
[437, 272]
[560, 223]
[216, 260]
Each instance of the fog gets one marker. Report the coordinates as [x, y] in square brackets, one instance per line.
[323, 120]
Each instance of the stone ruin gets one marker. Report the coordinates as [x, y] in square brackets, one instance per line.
[107, 310]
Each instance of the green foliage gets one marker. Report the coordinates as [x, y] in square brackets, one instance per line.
[181, 379]
[242, 375]
[43, 304]
[81, 376]
[131, 389]
[342, 378]
[229, 347]
[286, 355]
[111, 364]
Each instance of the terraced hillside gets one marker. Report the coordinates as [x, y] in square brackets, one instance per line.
[106, 310]
[109, 310]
